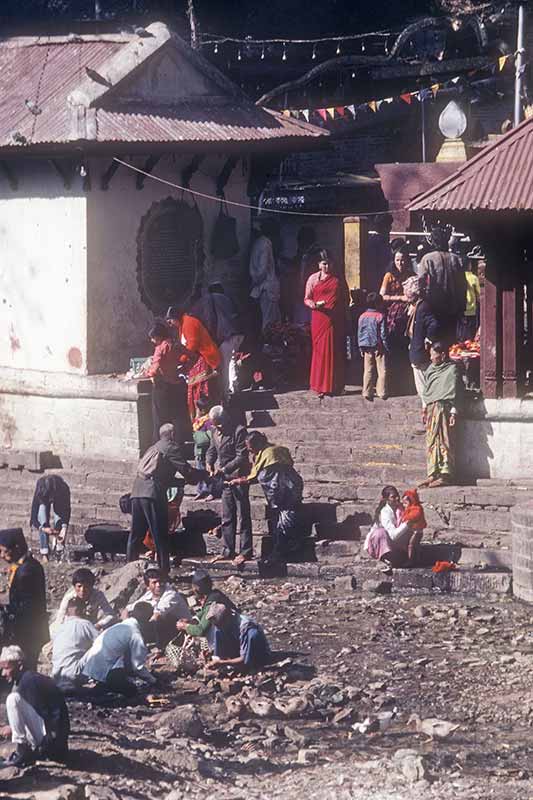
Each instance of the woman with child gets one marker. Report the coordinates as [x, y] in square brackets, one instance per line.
[397, 531]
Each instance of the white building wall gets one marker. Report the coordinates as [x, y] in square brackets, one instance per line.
[42, 273]
[118, 319]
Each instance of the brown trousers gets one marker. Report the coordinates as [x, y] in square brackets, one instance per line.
[374, 361]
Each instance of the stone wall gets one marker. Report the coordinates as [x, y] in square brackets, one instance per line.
[495, 440]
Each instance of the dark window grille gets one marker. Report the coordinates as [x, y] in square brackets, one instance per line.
[169, 254]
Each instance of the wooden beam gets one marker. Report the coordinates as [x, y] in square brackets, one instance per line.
[10, 175]
[190, 169]
[225, 173]
[108, 175]
[151, 162]
[490, 330]
[65, 170]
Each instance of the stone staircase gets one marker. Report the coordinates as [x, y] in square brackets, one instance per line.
[345, 448]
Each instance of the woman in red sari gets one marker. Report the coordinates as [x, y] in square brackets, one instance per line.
[324, 296]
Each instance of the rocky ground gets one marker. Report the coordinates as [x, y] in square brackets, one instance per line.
[300, 729]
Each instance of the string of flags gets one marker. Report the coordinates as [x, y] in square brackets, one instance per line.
[421, 95]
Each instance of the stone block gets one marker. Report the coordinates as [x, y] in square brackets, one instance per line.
[377, 587]
[326, 550]
[413, 579]
[473, 582]
[345, 584]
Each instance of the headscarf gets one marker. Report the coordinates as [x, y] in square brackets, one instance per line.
[217, 613]
[414, 513]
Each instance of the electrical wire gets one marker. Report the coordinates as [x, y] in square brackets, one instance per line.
[219, 39]
[246, 205]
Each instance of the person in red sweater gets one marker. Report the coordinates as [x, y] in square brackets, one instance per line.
[201, 357]
[169, 391]
[413, 514]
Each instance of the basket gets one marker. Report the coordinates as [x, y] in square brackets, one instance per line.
[184, 652]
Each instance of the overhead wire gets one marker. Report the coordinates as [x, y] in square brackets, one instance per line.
[218, 199]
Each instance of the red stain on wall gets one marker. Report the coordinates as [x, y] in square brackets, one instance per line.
[75, 358]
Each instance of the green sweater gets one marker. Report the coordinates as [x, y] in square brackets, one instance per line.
[201, 627]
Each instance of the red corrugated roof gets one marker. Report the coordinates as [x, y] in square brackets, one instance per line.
[499, 178]
[47, 70]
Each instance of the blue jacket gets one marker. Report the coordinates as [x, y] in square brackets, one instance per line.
[425, 327]
[371, 331]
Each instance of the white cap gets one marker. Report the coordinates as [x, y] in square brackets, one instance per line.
[10, 654]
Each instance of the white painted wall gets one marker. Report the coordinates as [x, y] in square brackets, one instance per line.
[496, 441]
[118, 320]
[42, 273]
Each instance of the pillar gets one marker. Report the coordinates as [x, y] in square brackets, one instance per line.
[490, 332]
[513, 333]
[356, 252]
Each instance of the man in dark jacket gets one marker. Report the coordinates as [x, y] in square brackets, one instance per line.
[443, 277]
[38, 718]
[156, 473]
[422, 329]
[228, 455]
[50, 514]
[25, 616]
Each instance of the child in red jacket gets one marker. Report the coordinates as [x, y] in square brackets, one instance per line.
[413, 514]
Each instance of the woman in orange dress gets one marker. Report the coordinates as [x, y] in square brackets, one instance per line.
[202, 354]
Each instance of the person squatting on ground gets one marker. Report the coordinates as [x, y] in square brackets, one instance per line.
[393, 538]
[25, 616]
[120, 653]
[50, 514]
[70, 641]
[442, 393]
[38, 720]
[374, 347]
[239, 641]
[273, 469]
[168, 606]
[228, 456]
[156, 473]
[205, 595]
[96, 607]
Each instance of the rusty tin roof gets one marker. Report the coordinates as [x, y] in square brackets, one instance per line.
[499, 178]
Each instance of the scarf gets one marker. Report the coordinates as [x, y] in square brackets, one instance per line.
[440, 383]
[13, 568]
[414, 513]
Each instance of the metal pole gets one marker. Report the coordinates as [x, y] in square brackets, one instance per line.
[97, 9]
[423, 113]
[519, 63]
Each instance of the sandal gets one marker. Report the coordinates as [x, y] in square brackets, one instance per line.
[240, 560]
[221, 557]
[438, 482]
[425, 484]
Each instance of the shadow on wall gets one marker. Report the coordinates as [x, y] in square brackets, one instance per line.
[475, 457]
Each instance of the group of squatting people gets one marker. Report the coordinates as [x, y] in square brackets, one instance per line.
[97, 649]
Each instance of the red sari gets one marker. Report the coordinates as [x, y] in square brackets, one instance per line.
[327, 363]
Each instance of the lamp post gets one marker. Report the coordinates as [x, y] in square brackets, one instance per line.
[519, 65]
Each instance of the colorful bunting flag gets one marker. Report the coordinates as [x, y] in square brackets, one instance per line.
[331, 112]
[435, 88]
[323, 113]
[286, 112]
[351, 109]
[406, 98]
[372, 105]
[305, 113]
[341, 110]
[502, 62]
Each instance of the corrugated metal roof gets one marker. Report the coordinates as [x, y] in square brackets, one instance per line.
[47, 70]
[499, 178]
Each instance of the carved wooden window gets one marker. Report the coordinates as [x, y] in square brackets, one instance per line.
[169, 254]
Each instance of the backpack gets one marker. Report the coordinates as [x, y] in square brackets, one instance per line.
[149, 462]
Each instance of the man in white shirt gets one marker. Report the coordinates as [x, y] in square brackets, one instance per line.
[97, 608]
[70, 641]
[168, 607]
[120, 652]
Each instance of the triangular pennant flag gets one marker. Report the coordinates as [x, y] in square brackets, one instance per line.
[502, 61]
[286, 112]
[416, 95]
[323, 113]
[295, 114]
[341, 110]
[372, 105]
[406, 98]
[435, 88]
[305, 113]
[457, 79]
[351, 109]
[378, 104]
[389, 100]
[331, 112]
